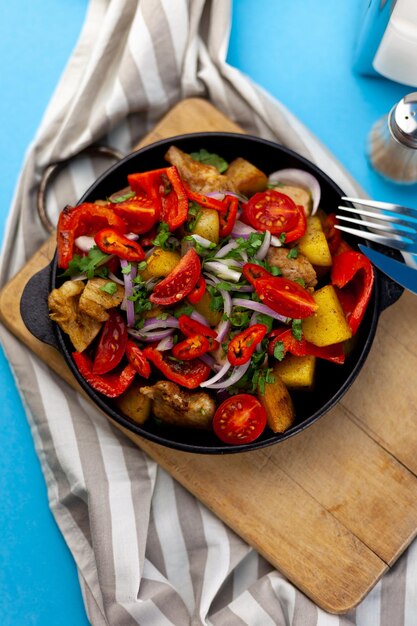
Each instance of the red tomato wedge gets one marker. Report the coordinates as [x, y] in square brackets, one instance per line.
[180, 282]
[239, 419]
[285, 297]
[112, 344]
[276, 212]
[111, 241]
[136, 358]
[198, 291]
[243, 345]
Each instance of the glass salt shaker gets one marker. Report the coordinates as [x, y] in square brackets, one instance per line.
[392, 142]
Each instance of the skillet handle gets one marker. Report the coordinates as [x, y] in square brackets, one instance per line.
[390, 291]
[34, 307]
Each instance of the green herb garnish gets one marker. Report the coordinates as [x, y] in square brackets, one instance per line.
[279, 351]
[162, 236]
[109, 288]
[297, 329]
[292, 253]
[209, 158]
[89, 265]
[126, 196]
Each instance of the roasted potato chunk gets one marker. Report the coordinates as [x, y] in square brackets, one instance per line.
[247, 178]
[160, 263]
[208, 225]
[328, 324]
[313, 244]
[134, 404]
[278, 404]
[297, 372]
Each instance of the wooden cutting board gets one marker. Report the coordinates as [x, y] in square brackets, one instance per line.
[331, 508]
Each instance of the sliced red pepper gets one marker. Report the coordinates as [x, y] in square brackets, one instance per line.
[189, 374]
[198, 291]
[149, 185]
[243, 345]
[252, 272]
[191, 348]
[136, 358]
[140, 214]
[180, 282]
[353, 275]
[111, 385]
[205, 201]
[175, 202]
[190, 327]
[84, 219]
[112, 344]
[112, 241]
[334, 353]
[228, 217]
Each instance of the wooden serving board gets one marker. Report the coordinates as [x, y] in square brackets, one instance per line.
[331, 508]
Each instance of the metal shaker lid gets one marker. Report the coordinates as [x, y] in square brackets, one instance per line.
[403, 120]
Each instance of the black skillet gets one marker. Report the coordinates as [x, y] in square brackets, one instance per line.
[332, 380]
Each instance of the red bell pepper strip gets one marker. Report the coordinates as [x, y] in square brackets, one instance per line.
[243, 345]
[205, 201]
[189, 374]
[334, 353]
[228, 217]
[140, 214]
[353, 275]
[191, 348]
[199, 290]
[136, 358]
[175, 202]
[111, 241]
[333, 236]
[111, 385]
[190, 327]
[84, 219]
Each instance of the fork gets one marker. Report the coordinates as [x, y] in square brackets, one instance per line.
[396, 226]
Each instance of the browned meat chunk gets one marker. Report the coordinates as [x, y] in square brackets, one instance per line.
[199, 176]
[95, 302]
[64, 306]
[300, 267]
[180, 408]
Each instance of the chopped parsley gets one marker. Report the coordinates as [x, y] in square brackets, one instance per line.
[261, 377]
[194, 213]
[127, 269]
[262, 318]
[279, 350]
[209, 158]
[90, 265]
[183, 309]
[216, 300]
[161, 239]
[300, 281]
[140, 296]
[297, 329]
[126, 196]
[292, 253]
[109, 288]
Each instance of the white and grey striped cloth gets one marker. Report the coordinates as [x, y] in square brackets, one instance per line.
[147, 551]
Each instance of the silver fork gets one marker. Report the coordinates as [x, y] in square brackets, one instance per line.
[392, 225]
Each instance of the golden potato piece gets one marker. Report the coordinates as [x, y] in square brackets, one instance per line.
[313, 244]
[328, 324]
[208, 225]
[133, 404]
[160, 263]
[297, 372]
[203, 306]
[278, 405]
[247, 178]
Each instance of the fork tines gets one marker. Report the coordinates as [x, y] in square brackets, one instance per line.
[392, 225]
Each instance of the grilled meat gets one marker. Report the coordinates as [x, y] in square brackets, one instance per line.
[300, 267]
[177, 407]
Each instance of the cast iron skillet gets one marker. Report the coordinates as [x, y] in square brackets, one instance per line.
[332, 380]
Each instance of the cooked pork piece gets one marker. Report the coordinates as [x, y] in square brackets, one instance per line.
[64, 306]
[300, 267]
[174, 406]
[199, 176]
[95, 302]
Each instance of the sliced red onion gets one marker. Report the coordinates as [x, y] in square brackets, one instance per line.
[207, 383]
[210, 361]
[116, 279]
[206, 243]
[79, 277]
[217, 195]
[225, 250]
[222, 271]
[132, 236]
[85, 243]
[150, 336]
[261, 254]
[237, 374]
[166, 344]
[127, 304]
[242, 230]
[199, 318]
[222, 329]
[239, 196]
[260, 308]
[299, 178]
[276, 242]
[153, 323]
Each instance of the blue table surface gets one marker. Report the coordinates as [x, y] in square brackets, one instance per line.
[301, 52]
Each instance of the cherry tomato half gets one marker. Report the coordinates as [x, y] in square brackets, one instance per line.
[276, 212]
[243, 345]
[191, 348]
[285, 297]
[239, 419]
[136, 358]
[112, 344]
[252, 272]
[198, 291]
[180, 282]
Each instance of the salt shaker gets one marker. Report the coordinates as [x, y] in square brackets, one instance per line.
[392, 142]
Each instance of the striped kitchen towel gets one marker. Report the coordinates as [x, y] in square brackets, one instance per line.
[147, 551]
